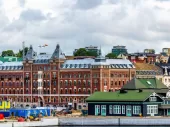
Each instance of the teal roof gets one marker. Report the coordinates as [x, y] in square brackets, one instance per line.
[10, 59]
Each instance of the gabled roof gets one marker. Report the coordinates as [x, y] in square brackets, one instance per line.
[57, 54]
[145, 83]
[31, 54]
[130, 95]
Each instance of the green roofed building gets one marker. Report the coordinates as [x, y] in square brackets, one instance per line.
[10, 59]
[146, 97]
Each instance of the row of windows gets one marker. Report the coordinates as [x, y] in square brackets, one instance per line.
[118, 109]
[74, 75]
[6, 91]
[66, 82]
[11, 83]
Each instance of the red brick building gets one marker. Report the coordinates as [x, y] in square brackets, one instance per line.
[52, 79]
[142, 58]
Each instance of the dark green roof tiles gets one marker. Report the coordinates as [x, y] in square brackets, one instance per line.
[130, 95]
[144, 83]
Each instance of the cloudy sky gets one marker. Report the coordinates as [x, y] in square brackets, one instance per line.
[79, 23]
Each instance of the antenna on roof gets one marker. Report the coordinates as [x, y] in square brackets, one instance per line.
[23, 52]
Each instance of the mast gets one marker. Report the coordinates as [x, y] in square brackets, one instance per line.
[23, 57]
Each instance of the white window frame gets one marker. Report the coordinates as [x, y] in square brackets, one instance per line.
[110, 109]
[123, 109]
[117, 109]
[152, 109]
[152, 99]
[136, 109]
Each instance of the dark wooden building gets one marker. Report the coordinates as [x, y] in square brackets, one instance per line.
[146, 96]
[124, 103]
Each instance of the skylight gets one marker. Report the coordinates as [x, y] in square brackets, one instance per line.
[149, 83]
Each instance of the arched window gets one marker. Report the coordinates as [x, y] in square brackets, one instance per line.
[27, 91]
[34, 100]
[21, 91]
[10, 91]
[48, 99]
[79, 82]
[71, 100]
[84, 82]
[54, 91]
[66, 91]
[75, 82]
[44, 83]
[44, 91]
[75, 91]
[2, 91]
[6, 91]
[61, 82]
[70, 91]
[66, 100]
[48, 91]
[13, 91]
[79, 90]
[66, 82]
[54, 100]
[88, 91]
[61, 91]
[70, 82]
[27, 99]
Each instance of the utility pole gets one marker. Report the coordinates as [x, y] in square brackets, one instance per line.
[23, 58]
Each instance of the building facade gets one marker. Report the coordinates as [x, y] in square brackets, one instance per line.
[119, 50]
[52, 79]
[142, 58]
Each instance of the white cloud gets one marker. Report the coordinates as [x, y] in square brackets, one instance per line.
[138, 24]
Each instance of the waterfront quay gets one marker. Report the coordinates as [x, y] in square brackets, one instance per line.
[114, 121]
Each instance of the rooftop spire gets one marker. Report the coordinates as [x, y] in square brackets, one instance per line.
[58, 53]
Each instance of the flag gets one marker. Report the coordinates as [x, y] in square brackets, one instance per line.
[42, 46]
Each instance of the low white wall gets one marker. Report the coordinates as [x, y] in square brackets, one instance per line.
[43, 122]
[5, 124]
[145, 121]
[114, 121]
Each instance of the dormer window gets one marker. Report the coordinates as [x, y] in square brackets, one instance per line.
[152, 99]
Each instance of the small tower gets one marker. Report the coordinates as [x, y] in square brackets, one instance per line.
[57, 54]
[31, 54]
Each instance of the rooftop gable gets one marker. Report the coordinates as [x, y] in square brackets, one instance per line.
[144, 83]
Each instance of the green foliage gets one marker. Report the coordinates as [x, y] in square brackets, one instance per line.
[92, 53]
[84, 52]
[19, 54]
[8, 53]
[111, 56]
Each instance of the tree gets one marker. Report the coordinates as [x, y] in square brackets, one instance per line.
[84, 52]
[92, 53]
[8, 53]
[111, 56]
[19, 54]
[81, 52]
